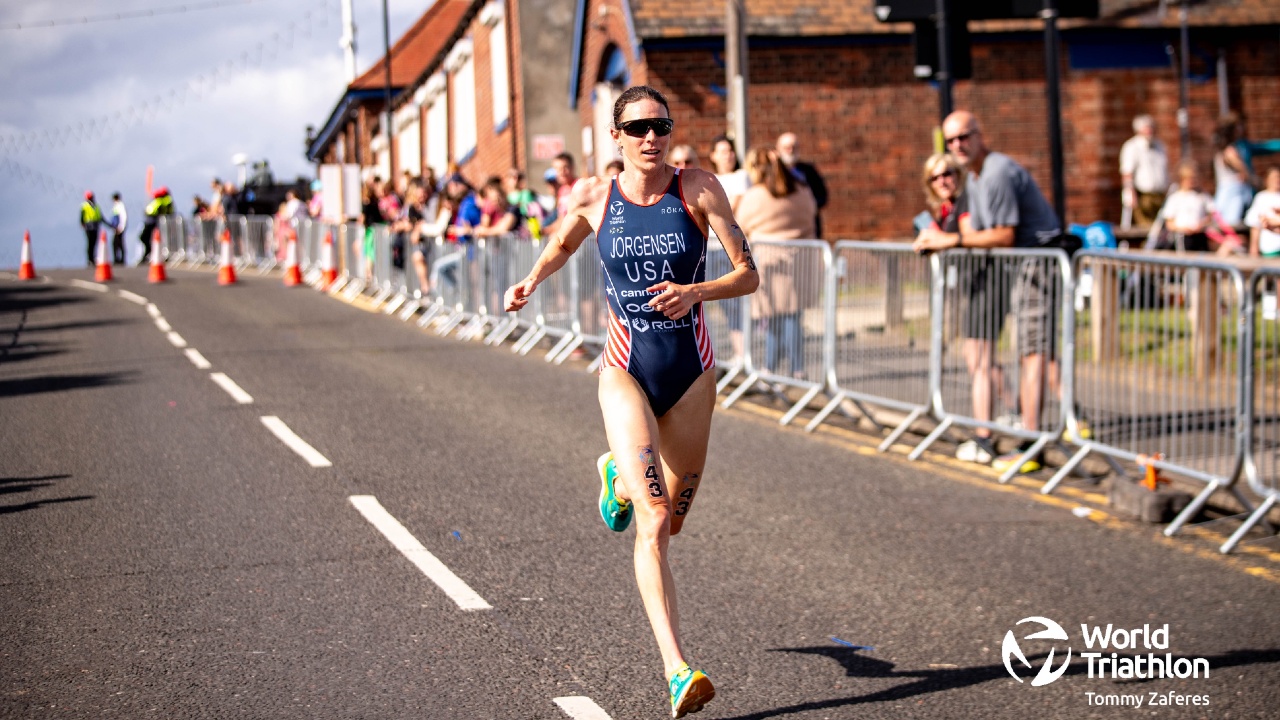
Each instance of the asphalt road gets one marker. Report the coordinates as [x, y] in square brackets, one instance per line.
[164, 554]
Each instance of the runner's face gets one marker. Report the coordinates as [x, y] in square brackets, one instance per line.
[650, 151]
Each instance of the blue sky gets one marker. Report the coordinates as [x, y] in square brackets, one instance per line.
[89, 105]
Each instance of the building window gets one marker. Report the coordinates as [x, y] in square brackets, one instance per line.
[409, 139]
[463, 90]
[493, 17]
[438, 134]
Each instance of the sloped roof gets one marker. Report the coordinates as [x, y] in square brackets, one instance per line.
[656, 19]
[419, 47]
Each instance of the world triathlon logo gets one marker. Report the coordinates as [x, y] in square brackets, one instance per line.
[1052, 631]
[616, 207]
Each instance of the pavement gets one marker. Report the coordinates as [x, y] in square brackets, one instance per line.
[165, 553]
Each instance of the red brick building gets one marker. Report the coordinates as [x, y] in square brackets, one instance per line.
[479, 83]
[830, 72]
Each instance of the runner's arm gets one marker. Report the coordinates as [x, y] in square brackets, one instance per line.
[571, 232]
[712, 202]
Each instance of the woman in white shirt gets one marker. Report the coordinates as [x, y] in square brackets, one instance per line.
[1263, 218]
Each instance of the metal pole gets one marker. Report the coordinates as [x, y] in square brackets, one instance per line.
[348, 41]
[735, 66]
[1051, 60]
[386, 115]
[1184, 123]
[943, 75]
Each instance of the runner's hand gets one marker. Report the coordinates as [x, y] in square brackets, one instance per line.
[517, 295]
[674, 301]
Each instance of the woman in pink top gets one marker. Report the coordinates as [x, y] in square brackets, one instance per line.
[777, 206]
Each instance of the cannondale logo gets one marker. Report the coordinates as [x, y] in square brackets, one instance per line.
[1047, 673]
[615, 207]
[640, 324]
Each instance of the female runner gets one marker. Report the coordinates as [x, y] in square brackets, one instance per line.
[657, 380]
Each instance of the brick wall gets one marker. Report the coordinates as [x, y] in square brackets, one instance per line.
[868, 126]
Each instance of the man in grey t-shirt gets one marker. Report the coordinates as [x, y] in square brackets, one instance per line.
[1007, 209]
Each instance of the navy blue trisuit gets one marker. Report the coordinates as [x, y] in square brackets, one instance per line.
[641, 246]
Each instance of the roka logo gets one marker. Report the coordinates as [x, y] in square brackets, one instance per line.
[1047, 673]
[640, 324]
[615, 207]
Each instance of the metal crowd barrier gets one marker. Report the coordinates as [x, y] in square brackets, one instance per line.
[1261, 400]
[1157, 360]
[784, 330]
[1001, 332]
[173, 237]
[1159, 377]
[879, 320]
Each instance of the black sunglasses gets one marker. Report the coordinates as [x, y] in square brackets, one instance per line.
[939, 176]
[640, 128]
[960, 138]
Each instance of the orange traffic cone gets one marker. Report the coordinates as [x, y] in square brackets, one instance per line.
[292, 275]
[330, 274]
[102, 273]
[226, 268]
[26, 271]
[157, 274]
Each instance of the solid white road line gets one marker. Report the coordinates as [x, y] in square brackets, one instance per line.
[177, 340]
[408, 545]
[295, 443]
[96, 287]
[163, 325]
[152, 310]
[234, 390]
[581, 708]
[132, 297]
[197, 359]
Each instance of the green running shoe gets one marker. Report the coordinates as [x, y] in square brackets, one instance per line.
[690, 690]
[616, 513]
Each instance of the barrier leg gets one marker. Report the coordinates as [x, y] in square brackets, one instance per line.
[555, 350]
[902, 428]
[409, 309]
[1192, 508]
[825, 411]
[741, 390]
[1066, 469]
[529, 340]
[565, 353]
[804, 403]
[944, 426]
[1031, 452]
[1253, 519]
[728, 378]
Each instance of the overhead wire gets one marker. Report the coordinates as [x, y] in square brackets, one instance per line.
[128, 15]
[195, 88]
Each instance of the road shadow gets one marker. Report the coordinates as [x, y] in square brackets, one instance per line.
[36, 504]
[28, 351]
[933, 680]
[9, 486]
[59, 383]
[17, 298]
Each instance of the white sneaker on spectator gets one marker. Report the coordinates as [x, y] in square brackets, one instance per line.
[978, 450]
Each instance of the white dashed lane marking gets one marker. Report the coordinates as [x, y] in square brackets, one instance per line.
[234, 390]
[197, 359]
[295, 443]
[163, 325]
[581, 708]
[132, 297]
[408, 545]
[85, 285]
[177, 340]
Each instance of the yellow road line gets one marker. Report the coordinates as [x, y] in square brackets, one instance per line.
[983, 477]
